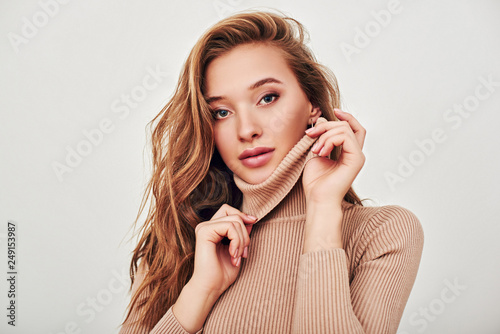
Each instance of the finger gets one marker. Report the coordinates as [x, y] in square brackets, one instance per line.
[226, 239]
[321, 128]
[326, 149]
[227, 210]
[357, 129]
[249, 228]
[239, 245]
[245, 232]
[246, 224]
[215, 232]
[347, 140]
[344, 118]
[245, 237]
[235, 242]
[231, 230]
[329, 130]
[236, 248]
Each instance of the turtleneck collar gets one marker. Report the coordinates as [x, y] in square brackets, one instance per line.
[260, 199]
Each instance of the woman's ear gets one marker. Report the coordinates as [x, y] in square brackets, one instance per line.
[315, 113]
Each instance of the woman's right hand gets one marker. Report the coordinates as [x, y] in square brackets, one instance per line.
[216, 265]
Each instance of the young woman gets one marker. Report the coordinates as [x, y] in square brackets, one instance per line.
[254, 226]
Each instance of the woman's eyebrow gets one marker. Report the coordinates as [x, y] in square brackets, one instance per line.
[264, 81]
[210, 99]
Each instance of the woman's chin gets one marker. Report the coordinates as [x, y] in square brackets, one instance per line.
[255, 176]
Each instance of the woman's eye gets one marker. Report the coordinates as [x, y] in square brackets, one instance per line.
[221, 113]
[269, 98]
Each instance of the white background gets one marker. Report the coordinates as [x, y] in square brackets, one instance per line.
[66, 73]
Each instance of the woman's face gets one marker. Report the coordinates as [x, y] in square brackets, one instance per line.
[261, 111]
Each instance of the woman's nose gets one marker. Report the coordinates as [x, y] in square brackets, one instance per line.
[249, 128]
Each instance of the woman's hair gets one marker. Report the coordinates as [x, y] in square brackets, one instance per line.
[189, 179]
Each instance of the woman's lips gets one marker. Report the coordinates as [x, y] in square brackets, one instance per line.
[257, 160]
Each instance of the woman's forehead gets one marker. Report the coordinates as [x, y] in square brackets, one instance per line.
[244, 67]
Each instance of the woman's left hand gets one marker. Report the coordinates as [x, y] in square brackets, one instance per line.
[328, 180]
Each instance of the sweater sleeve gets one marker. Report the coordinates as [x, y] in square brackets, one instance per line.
[373, 299]
[167, 324]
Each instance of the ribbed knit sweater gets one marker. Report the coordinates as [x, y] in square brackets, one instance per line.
[360, 288]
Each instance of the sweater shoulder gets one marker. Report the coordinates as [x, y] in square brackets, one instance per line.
[367, 226]
[369, 218]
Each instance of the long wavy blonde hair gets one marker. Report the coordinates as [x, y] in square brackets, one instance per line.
[189, 179]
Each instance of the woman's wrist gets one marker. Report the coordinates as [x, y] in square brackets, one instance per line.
[193, 306]
[323, 227]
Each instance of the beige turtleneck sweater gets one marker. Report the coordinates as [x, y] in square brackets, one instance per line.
[361, 288]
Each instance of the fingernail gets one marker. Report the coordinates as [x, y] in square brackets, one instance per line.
[309, 130]
[245, 252]
[321, 152]
[315, 146]
[238, 262]
[252, 217]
